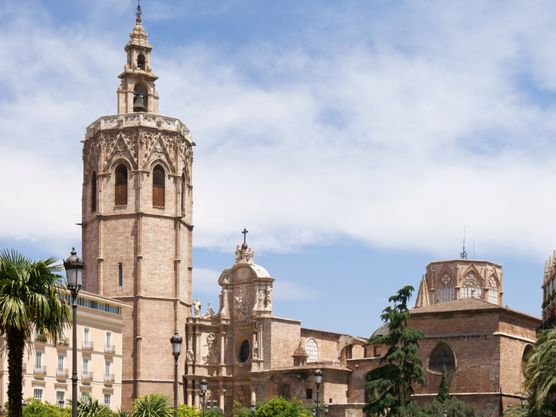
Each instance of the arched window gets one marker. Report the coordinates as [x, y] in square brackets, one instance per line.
[526, 353]
[244, 351]
[158, 186]
[285, 390]
[121, 186]
[471, 287]
[140, 99]
[492, 290]
[312, 350]
[94, 192]
[349, 351]
[183, 193]
[446, 290]
[140, 61]
[442, 355]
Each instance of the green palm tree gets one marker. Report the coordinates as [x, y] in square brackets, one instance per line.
[88, 406]
[28, 301]
[540, 372]
[151, 405]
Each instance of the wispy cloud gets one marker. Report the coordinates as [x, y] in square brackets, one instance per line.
[393, 129]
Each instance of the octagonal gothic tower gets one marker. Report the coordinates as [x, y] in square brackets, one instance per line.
[137, 222]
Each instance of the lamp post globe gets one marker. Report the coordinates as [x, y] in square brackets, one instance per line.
[252, 409]
[176, 342]
[522, 400]
[318, 380]
[74, 272]
[204, 386]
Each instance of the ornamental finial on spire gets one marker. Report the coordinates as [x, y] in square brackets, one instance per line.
[138, 13]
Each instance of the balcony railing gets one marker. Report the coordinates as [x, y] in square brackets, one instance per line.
[110, 379]
[40, 370]
[62, 373]
[88, 345]
[110, 348]
[87, 377]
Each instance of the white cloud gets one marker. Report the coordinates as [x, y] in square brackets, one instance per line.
[205, 283]
[395, 131]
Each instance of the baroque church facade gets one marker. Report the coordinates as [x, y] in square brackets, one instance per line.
[137, 246]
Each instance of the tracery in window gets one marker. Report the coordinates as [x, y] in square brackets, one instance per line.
[121, 186]
[471, 287]
[158, 186]
[446, 290]
[493, 290]
[442, 355]
[312, 350]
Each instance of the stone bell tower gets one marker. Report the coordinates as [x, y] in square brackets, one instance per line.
[137, 223]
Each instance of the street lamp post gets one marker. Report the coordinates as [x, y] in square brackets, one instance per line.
[176, 341]
[522, 400]
[204, 385]
[74, 271]
[325, 409]
[318, 380]
[445, 413]
[252, 409]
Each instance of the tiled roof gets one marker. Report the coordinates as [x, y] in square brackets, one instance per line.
[466, 304]
[382, 330]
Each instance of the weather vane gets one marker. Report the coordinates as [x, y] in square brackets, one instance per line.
[138, 12]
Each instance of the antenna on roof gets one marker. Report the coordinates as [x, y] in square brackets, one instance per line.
[464, 253]
[138, 13]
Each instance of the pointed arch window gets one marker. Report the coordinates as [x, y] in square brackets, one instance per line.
[312, 350]
[158, 186]
[442, 355]
[94, 192]
[493, 291]
[183, 193]
[446, 290]
[471, 287]
[121, 185]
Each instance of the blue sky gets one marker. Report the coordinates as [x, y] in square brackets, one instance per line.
[352, 139]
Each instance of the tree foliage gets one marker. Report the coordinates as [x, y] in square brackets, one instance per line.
[28, 301]
[540, 373]
[453, 406]
[444, 387]
[152, 405]
[401, 368]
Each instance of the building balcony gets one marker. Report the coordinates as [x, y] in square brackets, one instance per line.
[86, 378]
[62, 373]
[39, 371]
[88, 345]
[111, 349]
[63, 342]
[40, 338]
[109, 379]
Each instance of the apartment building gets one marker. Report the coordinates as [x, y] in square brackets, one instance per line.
[47, 368]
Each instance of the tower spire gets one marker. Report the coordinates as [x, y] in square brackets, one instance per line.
[423, 299]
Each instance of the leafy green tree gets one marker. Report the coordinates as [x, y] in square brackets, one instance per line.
[28, 301]
[401, 368]
[453, 406]
[540, 373]
[444, 387]
[188, 411]
[279, 407]
[36, 408]
[152, 405]
[240, 410]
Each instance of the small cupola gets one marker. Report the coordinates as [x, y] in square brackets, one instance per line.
[300, 355]
[137, 90]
